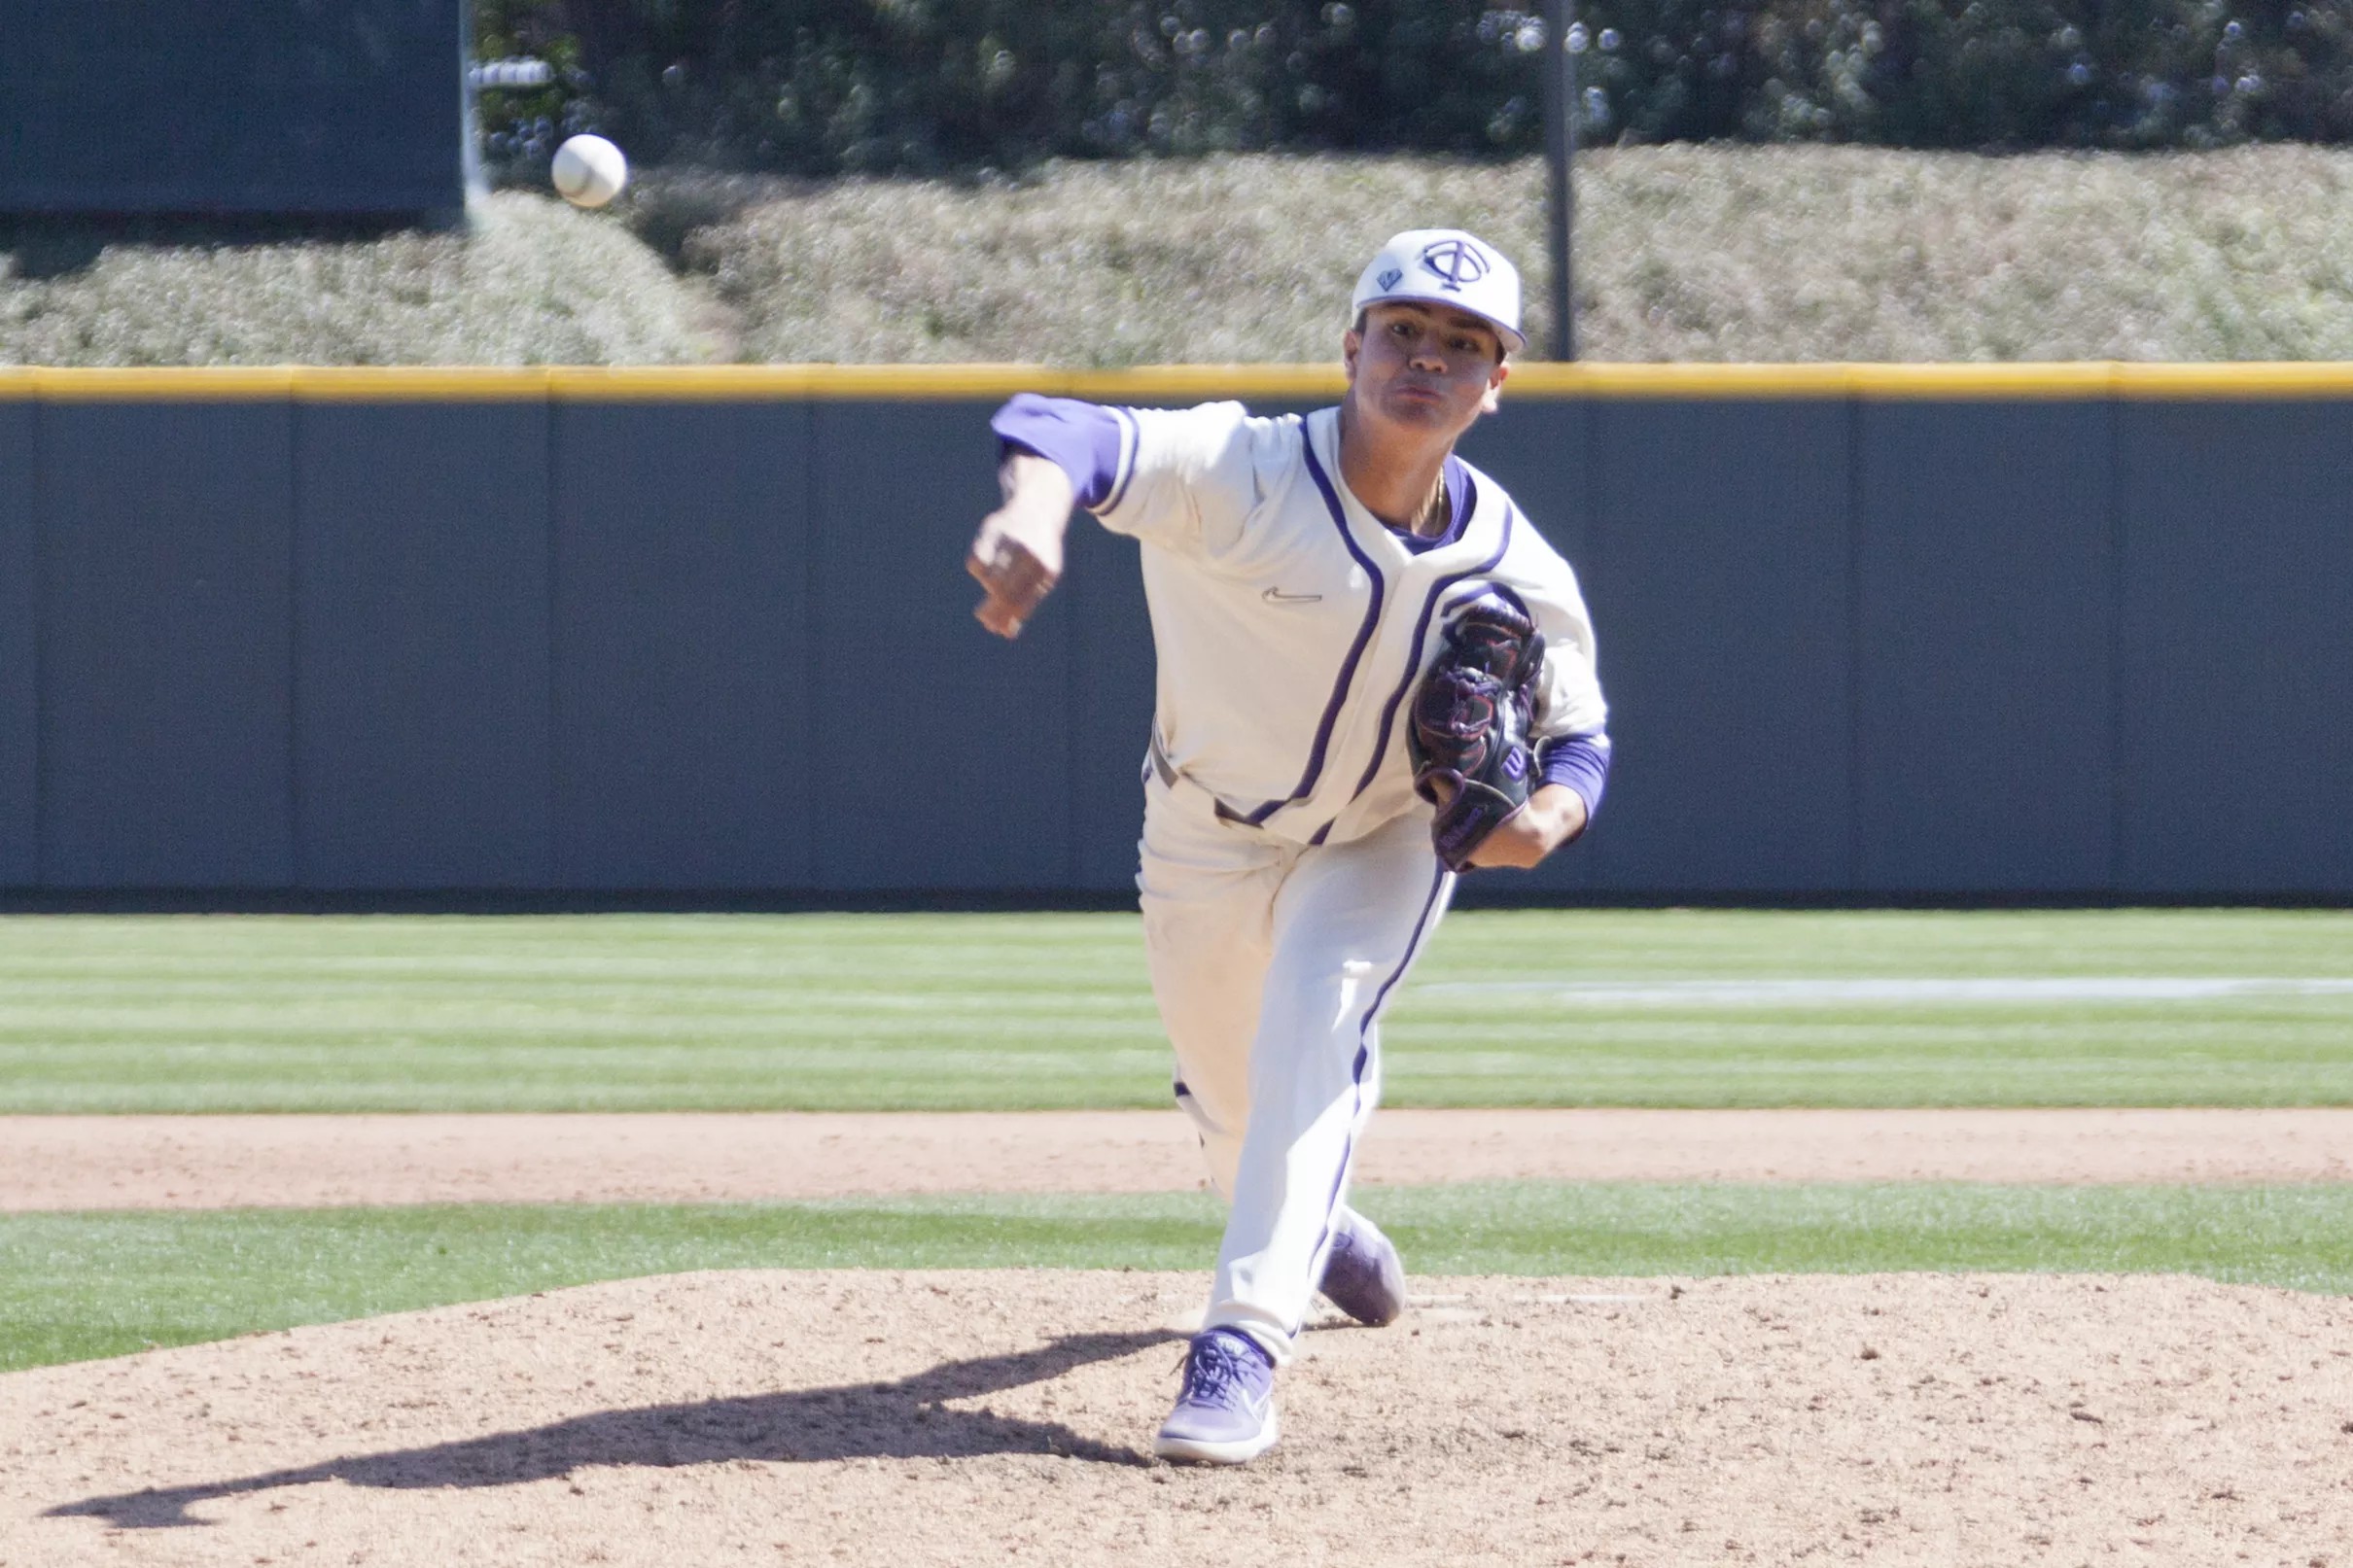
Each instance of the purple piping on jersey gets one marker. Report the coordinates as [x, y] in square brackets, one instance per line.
[1082, 439]
[1132, 447]
[1429, 608]
[1579, 763]
[1461, 496]
[1348, 666]
[1364, 1057]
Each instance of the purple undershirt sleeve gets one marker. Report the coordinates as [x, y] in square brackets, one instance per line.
[1581, 762]
[1079, 439]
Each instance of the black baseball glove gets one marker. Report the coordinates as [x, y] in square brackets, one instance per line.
[1470, 724]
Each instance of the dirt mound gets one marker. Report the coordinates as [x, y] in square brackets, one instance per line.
[911, 1419]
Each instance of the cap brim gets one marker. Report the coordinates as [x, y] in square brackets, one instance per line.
[1514, 340]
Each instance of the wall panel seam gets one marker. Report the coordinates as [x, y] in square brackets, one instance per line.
[2115, 546]
[813, 526]
[42, 657]
[551, 783]
[305, 865]
[1853, 429]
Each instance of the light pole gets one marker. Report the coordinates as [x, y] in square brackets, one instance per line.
[1559, 151]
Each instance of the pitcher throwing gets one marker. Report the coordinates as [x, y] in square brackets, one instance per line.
[1373, 674]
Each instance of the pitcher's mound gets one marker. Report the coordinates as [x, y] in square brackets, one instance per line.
[898, 1420]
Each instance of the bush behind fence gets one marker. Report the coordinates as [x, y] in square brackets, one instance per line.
[828, 87]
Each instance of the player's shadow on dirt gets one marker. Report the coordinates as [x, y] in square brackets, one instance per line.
[902, 1420]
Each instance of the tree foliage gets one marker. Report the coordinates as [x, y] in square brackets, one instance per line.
[824, 86]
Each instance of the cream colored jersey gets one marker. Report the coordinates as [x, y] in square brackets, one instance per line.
[1292, 625]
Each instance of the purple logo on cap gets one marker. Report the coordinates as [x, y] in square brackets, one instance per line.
[1388, 280]
[1454, 262]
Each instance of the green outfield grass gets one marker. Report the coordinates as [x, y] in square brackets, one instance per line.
[886, 1012]
[77, 1286]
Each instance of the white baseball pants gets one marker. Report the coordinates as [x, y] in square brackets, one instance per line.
[1272, 962]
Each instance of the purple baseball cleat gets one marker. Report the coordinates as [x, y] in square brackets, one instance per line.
[1362, 1274]
[1225, 1414]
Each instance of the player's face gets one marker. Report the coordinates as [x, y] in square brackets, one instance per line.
[1423, 367]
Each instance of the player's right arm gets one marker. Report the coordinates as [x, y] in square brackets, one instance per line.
[1016, 557]
[1180, 478]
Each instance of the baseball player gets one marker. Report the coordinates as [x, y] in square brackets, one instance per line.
[1373, 673]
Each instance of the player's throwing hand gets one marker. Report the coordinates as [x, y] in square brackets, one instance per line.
[1017, 554]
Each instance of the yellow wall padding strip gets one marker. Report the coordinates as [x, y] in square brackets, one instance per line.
[1168, 383]
[204, 385]
[2307, 379]
[2089, 380]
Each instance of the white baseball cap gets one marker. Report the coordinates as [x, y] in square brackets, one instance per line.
[1446, 266]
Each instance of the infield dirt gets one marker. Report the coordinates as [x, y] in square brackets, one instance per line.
[228, 1162]
[911, 1419]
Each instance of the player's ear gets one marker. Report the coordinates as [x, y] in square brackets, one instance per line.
[1351, 343]
[1494, 386]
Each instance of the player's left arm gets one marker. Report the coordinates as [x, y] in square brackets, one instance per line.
[1552, 815]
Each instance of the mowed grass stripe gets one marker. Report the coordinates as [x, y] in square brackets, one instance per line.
[77, 1286]
[846, 1012]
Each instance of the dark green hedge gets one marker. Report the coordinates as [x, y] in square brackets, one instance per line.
[826, 86]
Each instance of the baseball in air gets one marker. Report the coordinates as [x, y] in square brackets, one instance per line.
[590, 171]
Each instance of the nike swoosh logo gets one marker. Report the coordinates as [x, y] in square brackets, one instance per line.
[1276, 596]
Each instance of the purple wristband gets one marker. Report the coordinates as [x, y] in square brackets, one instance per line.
[1580, 763]
[1080, 439]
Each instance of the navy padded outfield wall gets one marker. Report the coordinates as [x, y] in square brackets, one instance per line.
[20, 654]
[681, 646]
[264, 106]
[422, 654]
[165, 658]
[703, 634]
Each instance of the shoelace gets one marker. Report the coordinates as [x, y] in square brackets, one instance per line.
[1211, 1367]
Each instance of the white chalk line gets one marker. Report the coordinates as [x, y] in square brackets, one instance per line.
[2006, 991]
[1551, 1300]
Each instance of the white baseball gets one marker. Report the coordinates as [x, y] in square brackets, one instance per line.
[590, 171]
